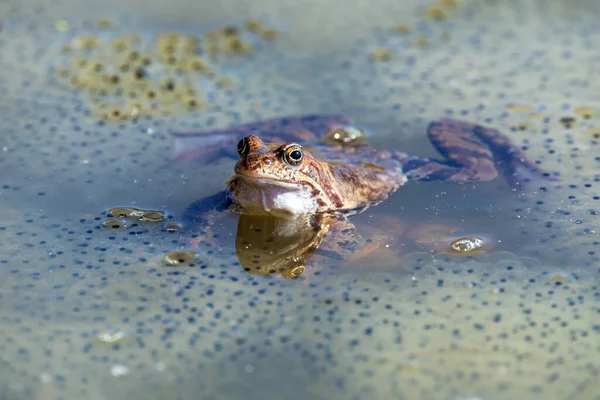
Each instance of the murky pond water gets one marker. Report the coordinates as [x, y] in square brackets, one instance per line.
[91, 310]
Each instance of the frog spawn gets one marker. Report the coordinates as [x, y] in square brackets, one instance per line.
[173, 258]
[128, 78]
[385, 335]
[137, 214]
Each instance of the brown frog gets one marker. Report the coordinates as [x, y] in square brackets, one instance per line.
[303, 166]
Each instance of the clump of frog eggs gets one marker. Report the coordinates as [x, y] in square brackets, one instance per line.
[436, 11]
[118, 215]
[439, 238]
[127, 79]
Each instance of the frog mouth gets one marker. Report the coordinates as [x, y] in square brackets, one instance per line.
[268, 181]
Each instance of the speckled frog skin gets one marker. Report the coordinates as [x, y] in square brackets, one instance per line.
[303, 165]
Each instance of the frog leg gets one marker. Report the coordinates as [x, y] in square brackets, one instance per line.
[203, 213]
[473, 153]
[210, 145]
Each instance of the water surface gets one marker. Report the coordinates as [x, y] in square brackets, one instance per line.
[518, 322]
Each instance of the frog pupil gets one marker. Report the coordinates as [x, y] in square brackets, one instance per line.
[296, 155]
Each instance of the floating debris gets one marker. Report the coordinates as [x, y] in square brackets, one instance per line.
[119, 370]
[62, 25]
[467, 244]
[111, 336]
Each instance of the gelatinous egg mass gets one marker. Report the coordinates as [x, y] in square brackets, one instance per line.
[128, 76]
[138, 214]
[106, 292]
[113, 224]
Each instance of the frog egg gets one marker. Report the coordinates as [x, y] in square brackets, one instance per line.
[421, 41]
[268, 34]
[568, 122]
[211, 47]
[112, 79]
[168, 84]
[114, 114]
[436, 12]
[62, 72]
[294, 273]
[84, 42]
[112, 335]
[192, 102]
[105, 23]
[381, 54]
[558, 277]
[586, 112]
[113, 224]
[166, 39]
[125, 212]
[402, 28]
[230, 30]
[345, 135]
[79, 62]
[119, 45]
[107, 111]
[187, 90]
[172, 227]
[126, 42]
[153, 216]
[179, 258]
[253, 25]
[237, 45]
[195, 64]
[225, 82]
[594, 131]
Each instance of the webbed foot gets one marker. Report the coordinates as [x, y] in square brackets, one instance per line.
[474, 153]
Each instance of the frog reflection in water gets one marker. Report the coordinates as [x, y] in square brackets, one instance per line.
[311, 172]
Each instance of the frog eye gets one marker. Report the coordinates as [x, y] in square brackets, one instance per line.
[242, 147]
[293, 156]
